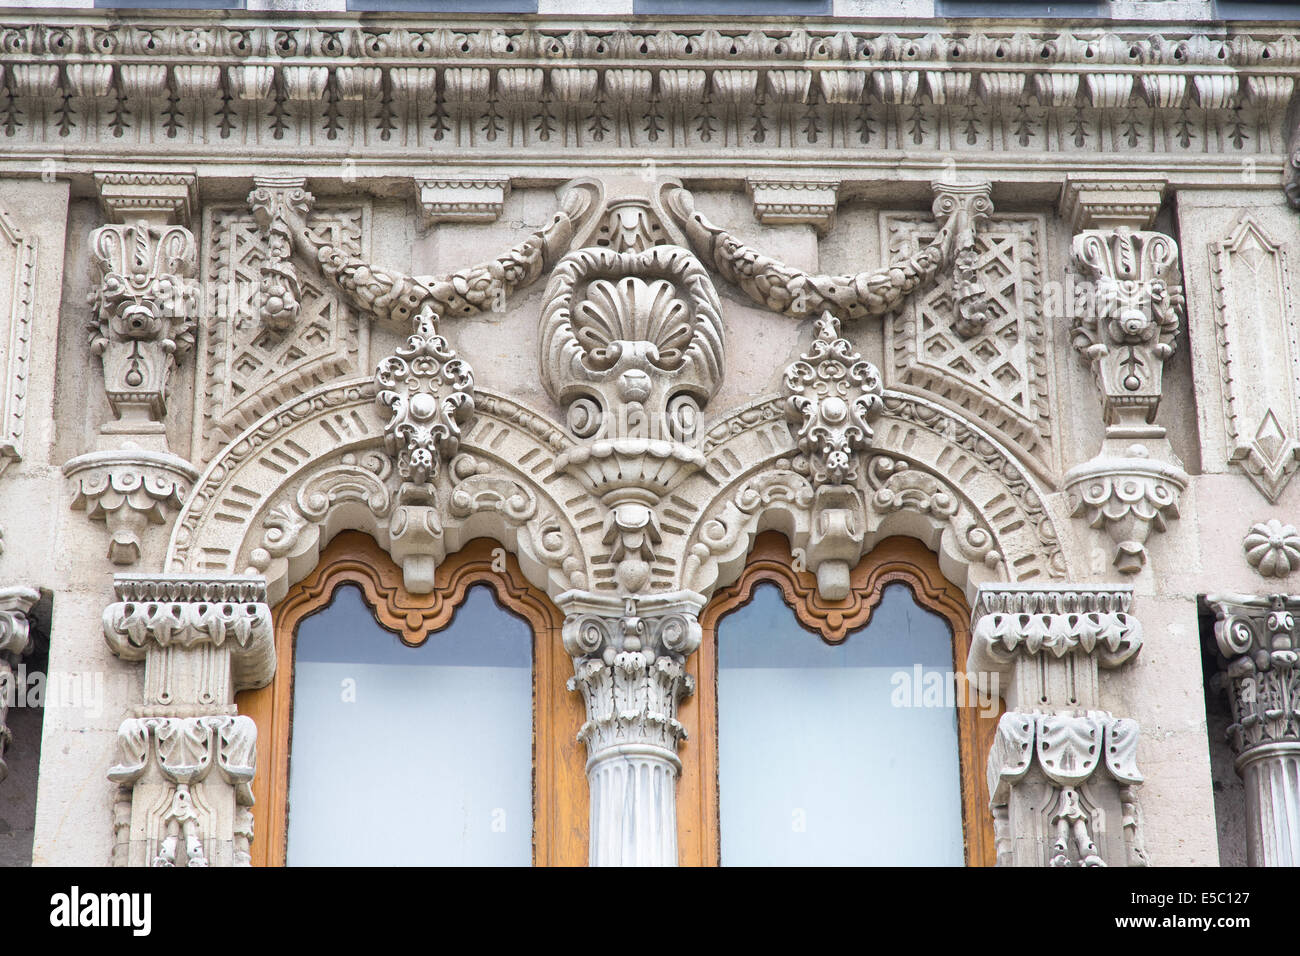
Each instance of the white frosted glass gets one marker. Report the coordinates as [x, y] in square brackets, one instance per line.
[432, 761]
[816, 764]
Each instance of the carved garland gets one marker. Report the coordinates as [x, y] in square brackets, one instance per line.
[893, 560]
[559, 784]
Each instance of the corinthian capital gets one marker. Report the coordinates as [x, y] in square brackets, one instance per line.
[143, 312]
[629, 663]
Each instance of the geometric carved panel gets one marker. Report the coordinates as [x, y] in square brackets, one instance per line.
[248, 368]
[1001, 375]
[1253, 306]
[17, 284]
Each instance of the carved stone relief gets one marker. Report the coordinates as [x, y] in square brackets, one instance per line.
[18, 275]
[1125, 326]
[1062, 773]
[1253, 301]
[247, 368]
[1001, 371]
[202, 639]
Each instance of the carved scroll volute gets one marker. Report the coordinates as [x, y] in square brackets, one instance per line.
[143, 312]
[1130, 330]
[833, 395]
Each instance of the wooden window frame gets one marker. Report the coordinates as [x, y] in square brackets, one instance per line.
[894, 560]
[560, 801]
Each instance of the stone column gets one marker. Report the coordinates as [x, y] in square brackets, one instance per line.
[1062, 772]
[185, 756]
[15, 604]
[629, 665]
[1256, 639]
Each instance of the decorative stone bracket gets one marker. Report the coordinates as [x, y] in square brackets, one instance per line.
[1256, 640]
[1062, 773]
[202, 640]
[143, 318]
[784, 202]
[467, 199]
[1125, 327]
[629, 663]
[276, 203]
[833, 395]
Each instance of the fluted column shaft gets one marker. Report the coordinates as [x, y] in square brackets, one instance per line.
[629, 660]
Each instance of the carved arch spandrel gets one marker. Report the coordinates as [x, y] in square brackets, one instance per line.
[893, 560]
[560, 801]
[930, 473]
[261, 493]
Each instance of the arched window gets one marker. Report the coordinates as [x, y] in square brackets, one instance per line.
[407, 728]
[841, 732]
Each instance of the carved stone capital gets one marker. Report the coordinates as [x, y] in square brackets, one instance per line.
[202, 639]
[795, 202]
[158, 197]
[143, 312]
[279, 204]
[182, 813]
[1127, 327]
[629, 663]
[1047, 643]
[1063, 790]
[1088, 203]
[129, 490]
[466, 199]
[1256, 638]
[1128, 497]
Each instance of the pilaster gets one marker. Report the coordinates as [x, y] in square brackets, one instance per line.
[186, 757]
[1062, 771]
[1124, 325]
[143, 318]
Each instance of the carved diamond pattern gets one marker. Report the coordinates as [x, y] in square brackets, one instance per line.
[248, 368]
[1000, 375]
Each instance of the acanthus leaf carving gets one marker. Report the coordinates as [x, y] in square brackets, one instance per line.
[798, 294]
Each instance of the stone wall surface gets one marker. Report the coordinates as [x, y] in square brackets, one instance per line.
[1055, 262]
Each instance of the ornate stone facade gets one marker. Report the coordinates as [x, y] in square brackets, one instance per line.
[622, 295]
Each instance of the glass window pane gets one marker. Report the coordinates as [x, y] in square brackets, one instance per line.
[411, 755]
[824, 756]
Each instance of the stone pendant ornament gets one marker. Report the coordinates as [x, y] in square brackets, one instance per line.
[832, 396]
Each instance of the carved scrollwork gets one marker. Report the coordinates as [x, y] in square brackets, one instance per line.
[833, 394]
[143, 311]
[430, 394]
